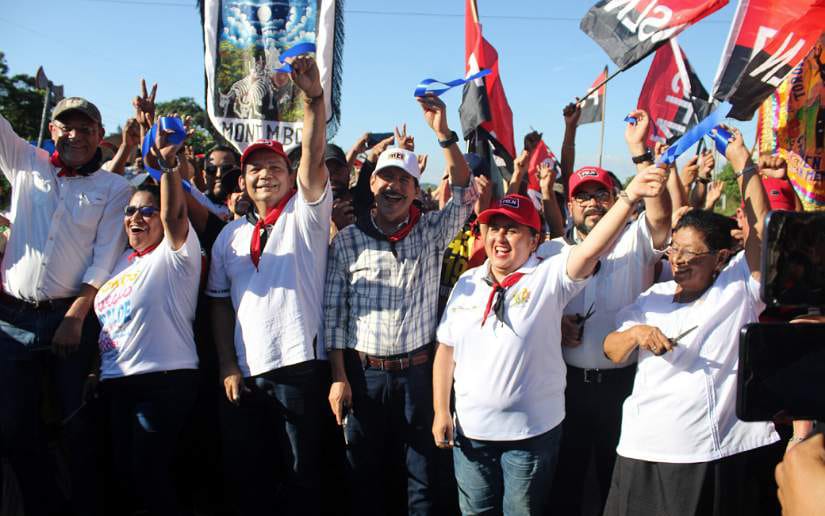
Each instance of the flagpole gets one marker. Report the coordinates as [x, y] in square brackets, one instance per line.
[596, 87]
[601, 137]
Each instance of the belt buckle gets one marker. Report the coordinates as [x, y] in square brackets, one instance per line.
[592, 376]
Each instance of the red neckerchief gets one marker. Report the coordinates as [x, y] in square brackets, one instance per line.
[500, 289]
[415, 216]
[138, 254]
[269, 220]
[65, 170]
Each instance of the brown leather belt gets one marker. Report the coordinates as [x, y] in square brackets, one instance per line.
[397, 362]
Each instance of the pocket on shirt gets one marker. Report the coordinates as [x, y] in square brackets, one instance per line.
[86, 208]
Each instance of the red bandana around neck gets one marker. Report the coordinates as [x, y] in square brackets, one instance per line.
[415, 216]
[138, 254]
[65, 170]
[500, 289]
[260, 225]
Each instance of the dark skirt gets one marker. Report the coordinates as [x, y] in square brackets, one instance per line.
[739, 484]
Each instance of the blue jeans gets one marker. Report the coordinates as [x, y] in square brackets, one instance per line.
[272, 442]
[505, 477]
[27, 366]
[390, 422]
[147, 412]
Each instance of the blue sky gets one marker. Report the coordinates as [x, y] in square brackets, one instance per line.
[100, 49]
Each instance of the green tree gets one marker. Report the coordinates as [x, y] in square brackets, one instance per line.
[733, 197]
[20, 102]
[204, 136]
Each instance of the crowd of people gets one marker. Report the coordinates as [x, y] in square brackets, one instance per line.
[341, 342]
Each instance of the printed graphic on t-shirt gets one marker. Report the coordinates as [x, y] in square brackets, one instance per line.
[113, 305]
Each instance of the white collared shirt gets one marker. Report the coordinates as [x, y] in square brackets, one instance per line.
[278, 305]
[683, 405]
[509, 376]
[625, 272]
[65, 230]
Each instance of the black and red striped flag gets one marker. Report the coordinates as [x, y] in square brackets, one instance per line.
[593, 105]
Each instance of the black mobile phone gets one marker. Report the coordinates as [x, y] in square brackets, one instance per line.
[781, 372]
[793, 259]
[374, 139]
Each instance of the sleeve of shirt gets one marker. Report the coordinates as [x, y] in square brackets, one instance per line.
[336, 296]
[737, 269]
[643, 241]
[445, 333]
[568, 287]
[187, 259]
[447, 221]
[110, 239]
[314, 218]
[15, 152]
[218, 284]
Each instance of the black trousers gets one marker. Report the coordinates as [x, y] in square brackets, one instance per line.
[590, 434]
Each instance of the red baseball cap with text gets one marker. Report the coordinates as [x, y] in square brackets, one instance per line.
[515, 207]
[273, 145]
[590, 175]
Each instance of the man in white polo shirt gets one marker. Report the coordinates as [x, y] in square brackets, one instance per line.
[500, 342]
[596, 387]
[267, 281]
[67, 217]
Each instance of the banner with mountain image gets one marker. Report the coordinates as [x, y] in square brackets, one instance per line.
[247, 98]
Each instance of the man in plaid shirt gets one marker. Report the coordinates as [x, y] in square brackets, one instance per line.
[380, 306]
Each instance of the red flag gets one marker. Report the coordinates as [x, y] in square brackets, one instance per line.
[541, 154]
[593, 105]
[479, 54]
[781, 53]
[669, 94]
[629, 30]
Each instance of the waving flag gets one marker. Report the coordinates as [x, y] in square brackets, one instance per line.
[672, 95]
[629, 30]
[249, 94]
[484, 104]
[593, 105]
[541, 154]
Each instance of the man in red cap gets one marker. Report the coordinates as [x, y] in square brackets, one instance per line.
[500, 345]
[267, 280]
[596, 387]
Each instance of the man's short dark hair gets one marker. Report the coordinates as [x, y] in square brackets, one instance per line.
[715, 228]
[225, 148]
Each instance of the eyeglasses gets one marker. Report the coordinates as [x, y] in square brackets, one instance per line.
[145, 211]
[675, 252]
[213, 169]
[82, 130]
[599, 195]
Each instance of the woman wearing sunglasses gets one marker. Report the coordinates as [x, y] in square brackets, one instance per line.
[148, 362]
[682, 450]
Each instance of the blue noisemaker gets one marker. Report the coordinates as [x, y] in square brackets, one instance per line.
[175, 124]
[630, 119]
[692, 136]
[424, 87]
[297, 50]
[721, 137]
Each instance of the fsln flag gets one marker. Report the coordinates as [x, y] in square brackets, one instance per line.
[775, 60]
[672, 95]
[247, 95]
[629, 30]
[541, 154]
[592, 107]
[484, 103]
[755, 22]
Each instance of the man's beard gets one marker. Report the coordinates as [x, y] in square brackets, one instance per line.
[582, 226]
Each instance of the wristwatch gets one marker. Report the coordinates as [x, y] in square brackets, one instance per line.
[641, 158]
[703, 180]
[449, 141]
[750, 167]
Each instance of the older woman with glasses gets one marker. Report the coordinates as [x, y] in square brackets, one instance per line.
[682, 450]
[148, 361]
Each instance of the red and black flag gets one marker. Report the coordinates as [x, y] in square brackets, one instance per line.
[484, 106]
[629, 30]
[593, 105]
[672, 95]
[767, 41]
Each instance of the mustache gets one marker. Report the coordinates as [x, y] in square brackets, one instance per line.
[594, 211]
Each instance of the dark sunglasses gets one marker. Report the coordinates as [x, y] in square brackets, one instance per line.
[145, 211]
[213, 169]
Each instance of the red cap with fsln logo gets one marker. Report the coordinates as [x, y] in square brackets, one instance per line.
[590, 175]
[273, 145]
[515, 207]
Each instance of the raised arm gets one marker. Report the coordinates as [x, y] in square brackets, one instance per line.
[657, 208]
[571, 114]
[550, 206]
[753, 194]
[130, 140]
[435, 113]
[312, 171]
[584, 256]
[172, 203]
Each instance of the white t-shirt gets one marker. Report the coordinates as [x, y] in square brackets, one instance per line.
[509, 378]
[683, 405]
[278, 306]
[146, 310]
[625, 272]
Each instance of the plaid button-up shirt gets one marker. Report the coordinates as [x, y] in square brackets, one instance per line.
[384, 301]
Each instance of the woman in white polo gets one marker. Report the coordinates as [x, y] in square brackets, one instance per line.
[682, 450]
[500, 339]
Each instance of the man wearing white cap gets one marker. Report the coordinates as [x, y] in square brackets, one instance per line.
[380, 306]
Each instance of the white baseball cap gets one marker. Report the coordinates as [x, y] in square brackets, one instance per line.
[401, 158]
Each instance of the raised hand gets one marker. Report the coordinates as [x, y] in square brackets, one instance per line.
[305, 75]
[378, 148]
[659, 149]
[435, 113]
[145, 105]
[689, 172]
[706, 164]
[773, 166]
[131, 134]
[648, 183]
[547, 177]
[531, 139]
[571, 113]
[715, 190]
[737, 153]
[405, 141]
[422, 162]
[165, 149]
[636, 133]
